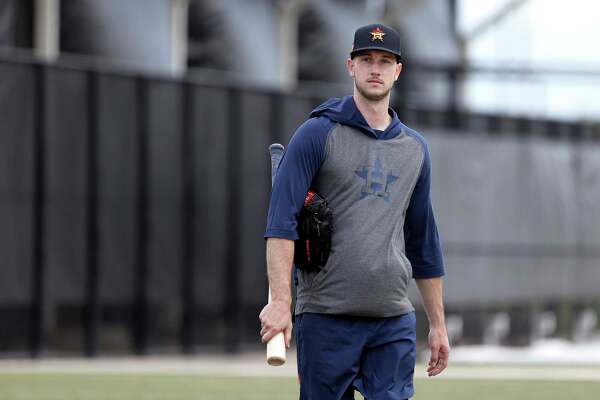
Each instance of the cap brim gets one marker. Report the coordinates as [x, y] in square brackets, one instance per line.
[353, 52]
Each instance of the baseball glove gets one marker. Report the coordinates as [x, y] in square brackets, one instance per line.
[314, 228]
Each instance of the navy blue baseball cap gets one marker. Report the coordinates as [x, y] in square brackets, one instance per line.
[376, 37]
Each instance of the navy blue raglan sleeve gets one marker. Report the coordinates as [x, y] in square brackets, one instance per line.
[301, 161]
[423, 247]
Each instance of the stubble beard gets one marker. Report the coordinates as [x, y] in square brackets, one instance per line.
[371, 96]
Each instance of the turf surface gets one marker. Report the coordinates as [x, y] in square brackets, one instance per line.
[178, 387]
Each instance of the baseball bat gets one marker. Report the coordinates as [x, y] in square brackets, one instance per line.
[275, 346]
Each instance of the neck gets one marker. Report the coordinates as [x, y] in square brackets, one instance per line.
[375, 112]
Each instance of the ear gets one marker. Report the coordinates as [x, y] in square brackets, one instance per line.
[350, 67]
[398, 70]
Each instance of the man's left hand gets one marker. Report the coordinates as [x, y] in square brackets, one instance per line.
[440, 350]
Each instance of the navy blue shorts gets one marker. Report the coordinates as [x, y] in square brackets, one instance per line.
[338, 354]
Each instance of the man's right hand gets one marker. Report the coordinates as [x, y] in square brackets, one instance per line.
[276, 317]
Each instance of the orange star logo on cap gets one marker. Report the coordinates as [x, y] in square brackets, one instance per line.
[377, 34]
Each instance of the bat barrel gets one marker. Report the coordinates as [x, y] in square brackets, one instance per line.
[276, 350]
[276, 152]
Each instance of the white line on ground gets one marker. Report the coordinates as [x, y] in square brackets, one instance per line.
[254, 365]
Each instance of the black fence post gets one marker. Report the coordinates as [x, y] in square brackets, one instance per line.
[453, 116]
[38, 267]
[233, 265]
[276, 121]
[453, 17]
[92, 303]
[188, 210]
[140, 309]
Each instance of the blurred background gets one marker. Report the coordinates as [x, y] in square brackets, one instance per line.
[134, 174]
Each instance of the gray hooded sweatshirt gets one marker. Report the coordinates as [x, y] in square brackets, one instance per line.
[377, 184]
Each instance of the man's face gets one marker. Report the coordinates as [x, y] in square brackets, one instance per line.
[374, 73]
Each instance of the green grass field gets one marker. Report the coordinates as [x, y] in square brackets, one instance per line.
[180, 387]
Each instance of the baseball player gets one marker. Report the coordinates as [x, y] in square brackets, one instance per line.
[354, 324]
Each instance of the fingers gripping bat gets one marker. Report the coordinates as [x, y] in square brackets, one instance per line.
[275, 346]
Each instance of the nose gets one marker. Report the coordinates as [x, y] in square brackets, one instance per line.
[375, 71]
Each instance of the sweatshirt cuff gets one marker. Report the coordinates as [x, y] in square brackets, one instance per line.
[281, 233]
[428, 272]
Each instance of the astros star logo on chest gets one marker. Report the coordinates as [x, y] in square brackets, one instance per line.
[377, 180]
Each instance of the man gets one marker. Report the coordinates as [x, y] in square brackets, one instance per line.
[355, 326]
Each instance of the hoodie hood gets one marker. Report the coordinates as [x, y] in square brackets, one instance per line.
[345, 112]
